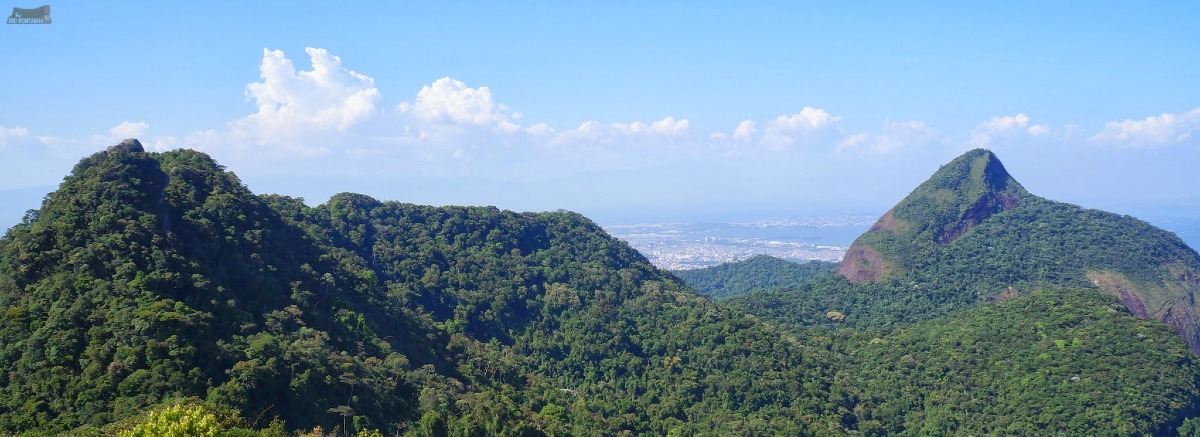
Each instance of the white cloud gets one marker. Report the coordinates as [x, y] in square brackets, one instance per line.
[129, 129]
[1166, 129]
[449, 119]
[449, 100]
[449, 128]
[1008, 123]
[806, 126]
[298, 114]
[736, 142]
[540, 130]
[894, 136]
[668, 126]
[744, 131]
[12, 134]
[856, 141]
[292, 104]
[49, 147]
[633, 134]
[37, 160]
[1007, 130]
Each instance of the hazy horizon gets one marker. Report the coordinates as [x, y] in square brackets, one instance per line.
[1183, 220]
[626, 112]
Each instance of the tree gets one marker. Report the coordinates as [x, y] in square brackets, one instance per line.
[176, 420]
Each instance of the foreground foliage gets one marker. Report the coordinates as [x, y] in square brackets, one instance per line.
[176, 420]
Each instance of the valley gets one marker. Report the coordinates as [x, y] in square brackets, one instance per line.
[681, 246]
[698, 244]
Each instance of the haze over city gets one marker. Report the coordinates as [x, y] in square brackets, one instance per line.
[624, 111]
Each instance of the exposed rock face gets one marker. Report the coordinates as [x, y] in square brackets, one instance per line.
[887, 222]
[1007, 294]
[1183, 319]
[987, 206]
[1177, 310]
[958, 197]
[861, 265]
[129, 145]
[972, 226]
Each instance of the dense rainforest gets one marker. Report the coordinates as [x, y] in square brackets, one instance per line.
[761, 272]
[972, 234]
[154, 294]
[148, 278]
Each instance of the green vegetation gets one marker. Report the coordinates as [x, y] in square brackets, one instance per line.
[1063, 362]
[146, 278]
[971, 233]
[176, 420]
[761, 272]
[151, 277]
[154, 294]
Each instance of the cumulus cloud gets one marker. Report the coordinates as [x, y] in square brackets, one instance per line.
[292, 104]
[668, 126]
[736, 142]
[1007, 130]
[1162, 130]
[449, 119]
[744, 131]
[893, 136]
[332, 112]
[806, 126]
[128, 129]
[667, 129]
[449, 100]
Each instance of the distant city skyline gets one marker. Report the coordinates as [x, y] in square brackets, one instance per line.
[624, 111]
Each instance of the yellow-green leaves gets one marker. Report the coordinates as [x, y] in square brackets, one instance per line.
[176, 421]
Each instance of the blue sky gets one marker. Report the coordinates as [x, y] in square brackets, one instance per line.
[624, 111]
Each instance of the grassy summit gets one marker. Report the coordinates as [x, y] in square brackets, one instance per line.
[959, 196]
[972, 232]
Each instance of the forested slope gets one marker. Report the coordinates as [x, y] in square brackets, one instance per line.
[1050, 362]
[154, 290]
[148, 277]
[762, 272]
[970, 234]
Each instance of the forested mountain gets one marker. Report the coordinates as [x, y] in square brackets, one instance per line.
[154, 294]
[148, 277]
[971, 233]
[1048, 362]
[762, 272]
[973, 227]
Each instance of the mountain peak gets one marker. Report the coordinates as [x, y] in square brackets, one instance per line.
[128, 145]
[973, 173]
[956, 198]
